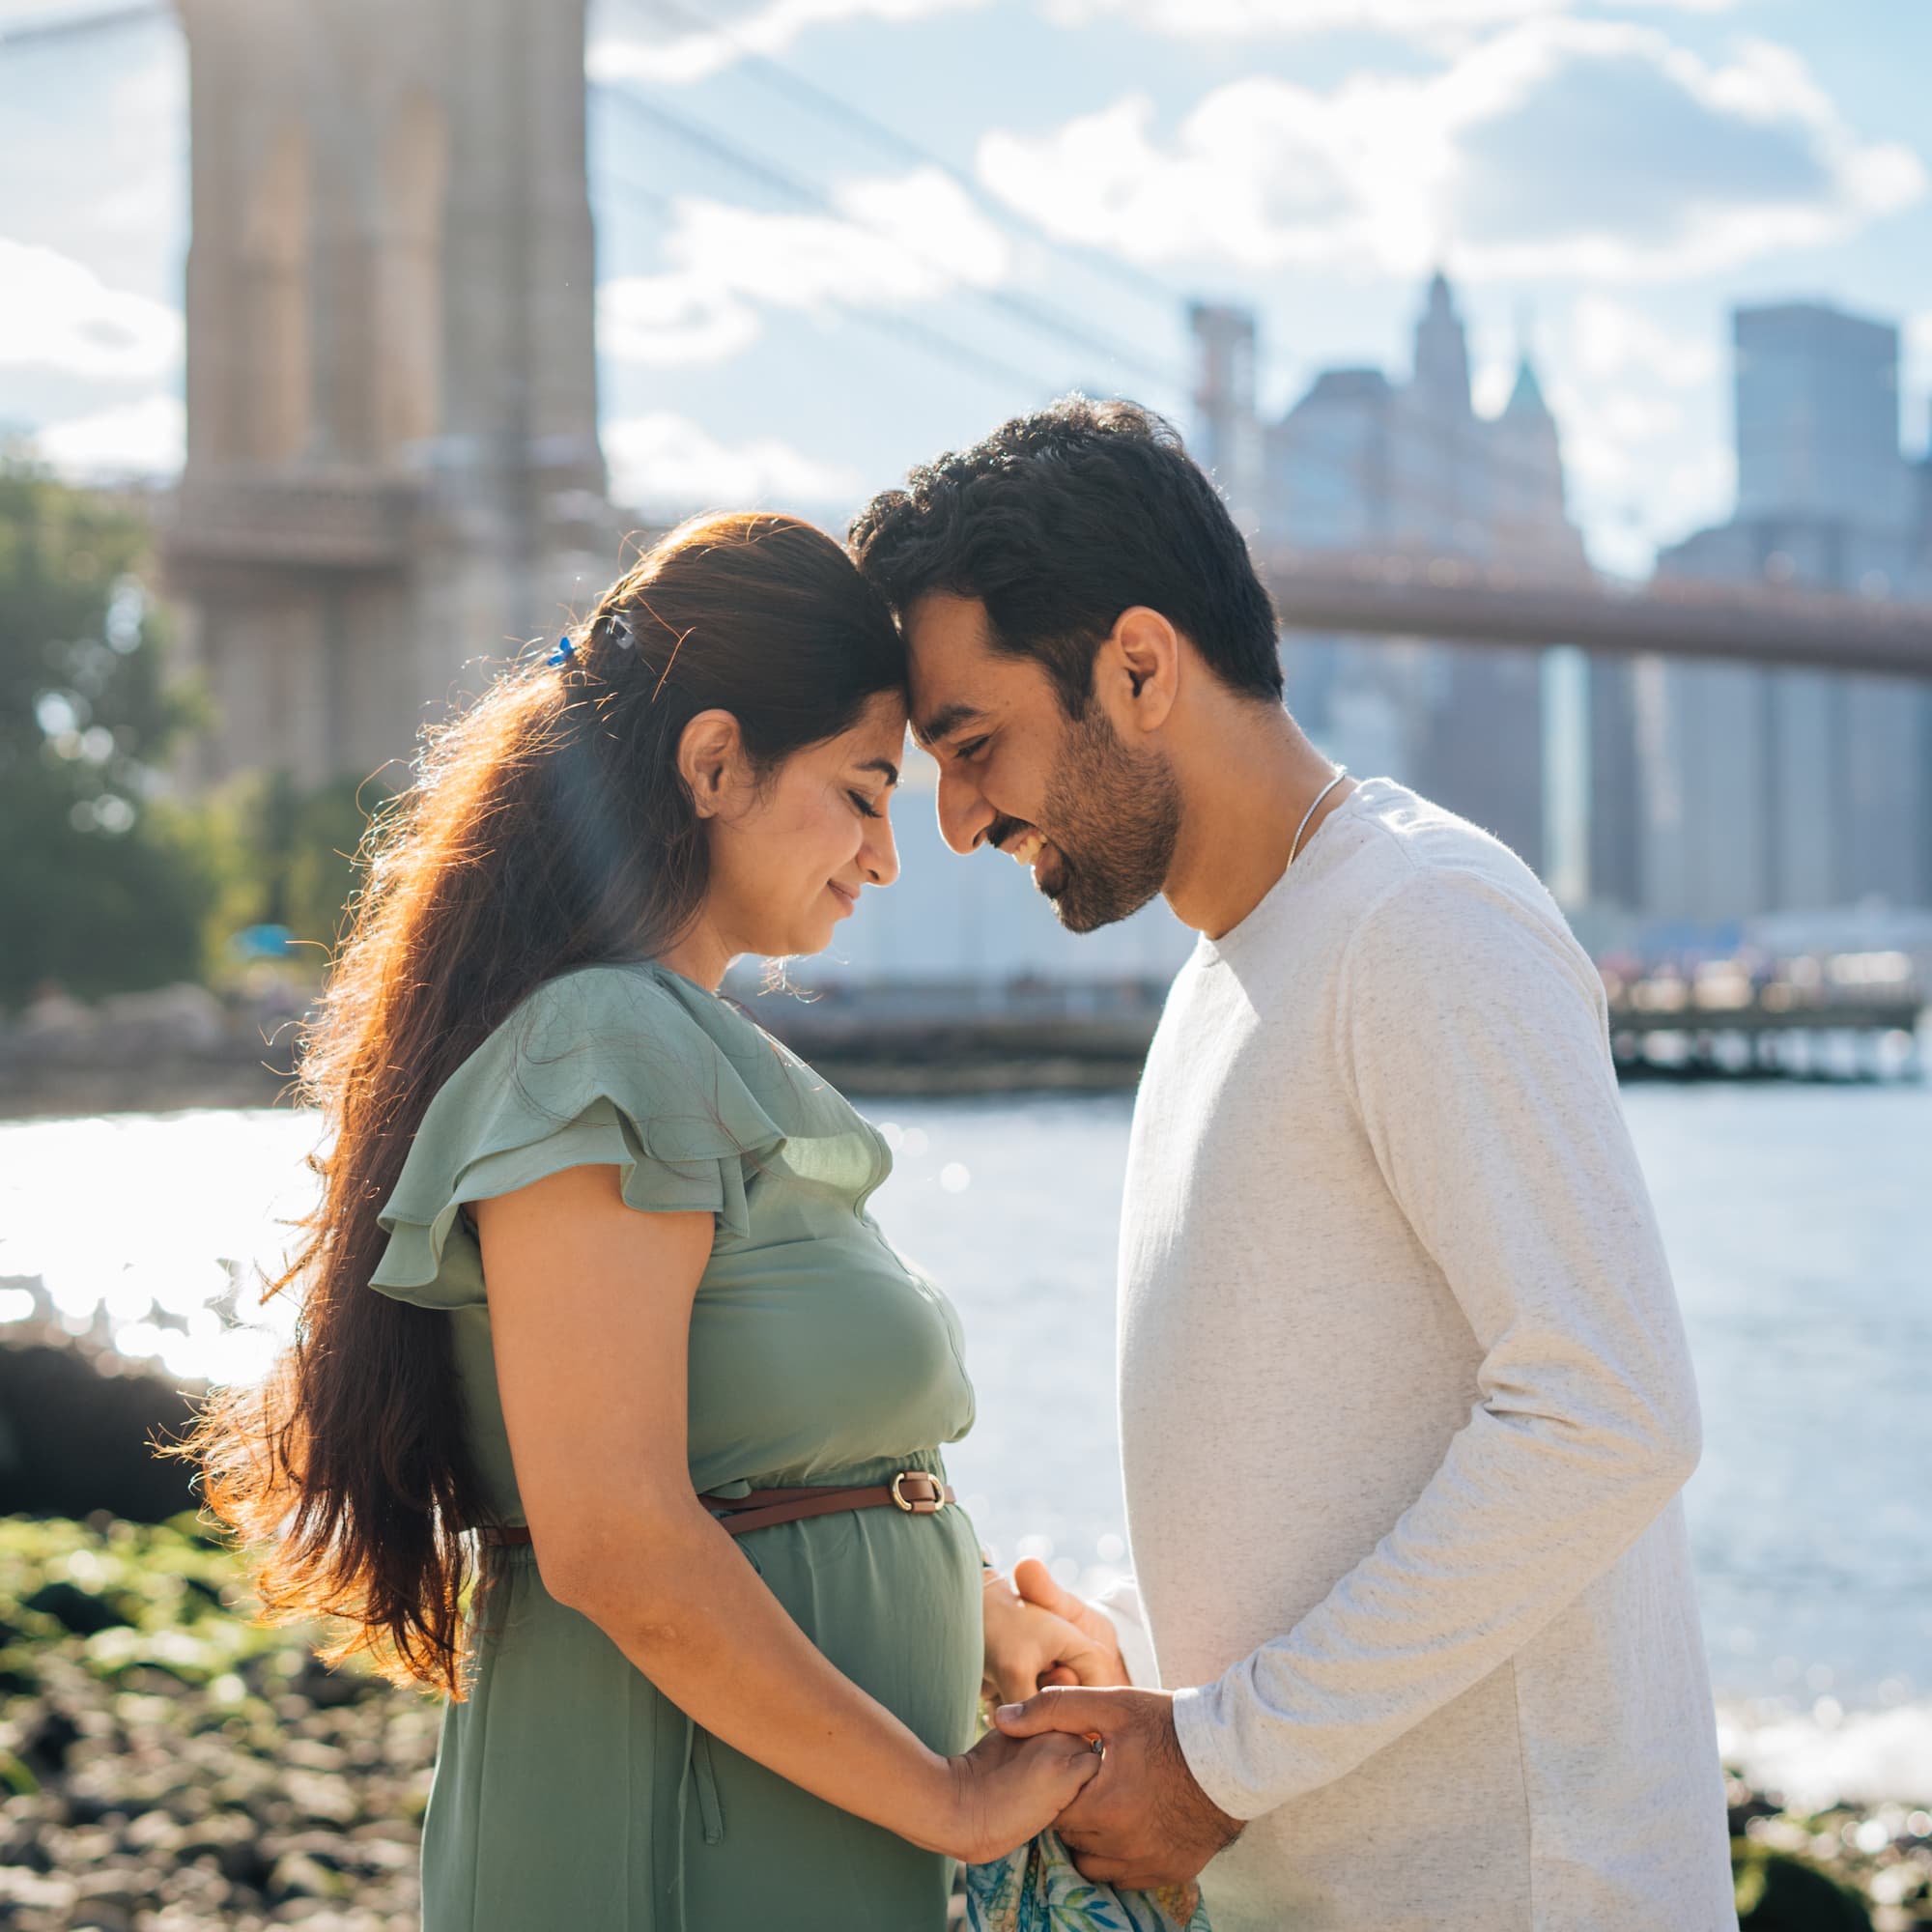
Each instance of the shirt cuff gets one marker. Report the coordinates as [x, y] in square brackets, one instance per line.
[1197, 1728]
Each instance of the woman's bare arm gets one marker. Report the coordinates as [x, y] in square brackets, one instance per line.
[590, 1313]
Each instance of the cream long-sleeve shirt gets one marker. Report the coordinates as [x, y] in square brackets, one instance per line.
[1405, 1409]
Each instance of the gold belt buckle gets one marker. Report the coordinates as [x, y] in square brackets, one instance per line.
[906, 1503]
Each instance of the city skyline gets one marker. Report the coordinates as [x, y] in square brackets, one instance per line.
[1237, 153]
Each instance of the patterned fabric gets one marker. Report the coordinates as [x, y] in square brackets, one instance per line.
[1037, 1889]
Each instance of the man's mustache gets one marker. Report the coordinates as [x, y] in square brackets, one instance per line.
[1002, 828]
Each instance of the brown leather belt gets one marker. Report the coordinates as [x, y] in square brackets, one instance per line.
[912, 1491]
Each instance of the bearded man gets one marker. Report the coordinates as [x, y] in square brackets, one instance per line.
[1404, 1400]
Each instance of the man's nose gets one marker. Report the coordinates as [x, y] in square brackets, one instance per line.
[964, 814]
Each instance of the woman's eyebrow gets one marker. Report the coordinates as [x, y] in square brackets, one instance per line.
[883, 765]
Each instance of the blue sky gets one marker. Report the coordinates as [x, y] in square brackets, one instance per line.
[1604, 177]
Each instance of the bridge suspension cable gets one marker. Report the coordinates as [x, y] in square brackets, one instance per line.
[886, 322]
[786, 79]
[1041, 317]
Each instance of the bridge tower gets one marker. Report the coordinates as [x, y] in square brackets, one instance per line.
[392, 460]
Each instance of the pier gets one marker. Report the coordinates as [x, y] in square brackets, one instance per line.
[1770, 1039]
[1717, 1024]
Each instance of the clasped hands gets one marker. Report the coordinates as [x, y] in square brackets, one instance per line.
[1055, 1663]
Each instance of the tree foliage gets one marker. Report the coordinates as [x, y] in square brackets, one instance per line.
[109, 879]
[96, 892]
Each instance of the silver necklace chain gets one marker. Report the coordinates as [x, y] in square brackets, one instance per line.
[1340, 772]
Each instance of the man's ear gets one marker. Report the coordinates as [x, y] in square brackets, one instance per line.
[1141, 659]
[710, 759]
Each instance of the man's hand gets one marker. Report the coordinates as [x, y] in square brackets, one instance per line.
[1143, 1822]
[1028, 1646]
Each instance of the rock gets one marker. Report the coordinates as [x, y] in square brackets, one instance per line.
[157, 1833]
[109, 1899]
[1778, 1893]
[181, 1016]
[78, 1435]
[102, 1915]
[297, 1875]
[330, 1800]
[232, 1840]
[20, 1888]
[46, 1742]
[81, 1612]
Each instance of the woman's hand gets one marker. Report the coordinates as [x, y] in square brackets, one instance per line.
[1030, 1645]
[1004, 1792]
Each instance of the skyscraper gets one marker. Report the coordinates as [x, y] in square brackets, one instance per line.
[1228, 441]
[1364, 462]
[1802, 788]
[1817, 418]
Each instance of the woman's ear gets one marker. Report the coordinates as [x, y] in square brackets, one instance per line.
[711, 760]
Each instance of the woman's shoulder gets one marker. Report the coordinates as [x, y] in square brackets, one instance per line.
[617, 1010]
[637, 992]
[629, 1029]
[608, 1063]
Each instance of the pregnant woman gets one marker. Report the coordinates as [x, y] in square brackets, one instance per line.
[612, 1414]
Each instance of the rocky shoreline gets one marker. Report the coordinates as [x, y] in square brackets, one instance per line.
[170, 1766]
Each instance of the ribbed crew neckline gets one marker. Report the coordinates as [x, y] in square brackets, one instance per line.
[1317, 846]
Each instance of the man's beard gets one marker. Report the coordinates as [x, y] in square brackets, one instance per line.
[1113, 816]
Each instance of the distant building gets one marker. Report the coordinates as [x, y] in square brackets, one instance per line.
[1370, 463]
[1227, 439]
[1792, 789]
[1817, 419]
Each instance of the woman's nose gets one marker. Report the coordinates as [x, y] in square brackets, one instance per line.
[880, 855]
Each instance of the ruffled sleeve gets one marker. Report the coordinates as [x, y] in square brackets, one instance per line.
[604, 1066]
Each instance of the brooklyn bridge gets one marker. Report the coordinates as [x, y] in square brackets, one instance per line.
[393, 445]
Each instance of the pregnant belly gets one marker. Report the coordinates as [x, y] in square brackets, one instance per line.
[894, 1602]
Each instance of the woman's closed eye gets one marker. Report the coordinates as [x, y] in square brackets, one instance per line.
[866, 808]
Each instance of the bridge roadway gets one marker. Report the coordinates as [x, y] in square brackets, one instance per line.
[1466, 602]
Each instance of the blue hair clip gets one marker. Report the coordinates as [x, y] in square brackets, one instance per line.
[564, 654]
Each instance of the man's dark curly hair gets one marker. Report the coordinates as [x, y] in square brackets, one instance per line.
[1059, 521]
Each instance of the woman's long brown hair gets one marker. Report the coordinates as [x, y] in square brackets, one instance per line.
[547, 828]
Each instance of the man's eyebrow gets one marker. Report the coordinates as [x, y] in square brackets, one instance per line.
[883, 765]
[946, 721]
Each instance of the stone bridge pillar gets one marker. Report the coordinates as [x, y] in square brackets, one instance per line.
[393, 472]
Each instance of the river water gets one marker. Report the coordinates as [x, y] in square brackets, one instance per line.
[1798, 1220]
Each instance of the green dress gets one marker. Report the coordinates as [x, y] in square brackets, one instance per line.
[568, 1792]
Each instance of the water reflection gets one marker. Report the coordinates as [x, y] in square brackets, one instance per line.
[1798, 1222]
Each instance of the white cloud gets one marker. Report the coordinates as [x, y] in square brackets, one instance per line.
[144, 438]
[671, 320]
[1559, 147]
[1255, 19]
[60, 314]
[1643, 462]
[1612, 339]
[115, 197]
[894, 243]
[664, 460]
[766, 28]
[1279, 19]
